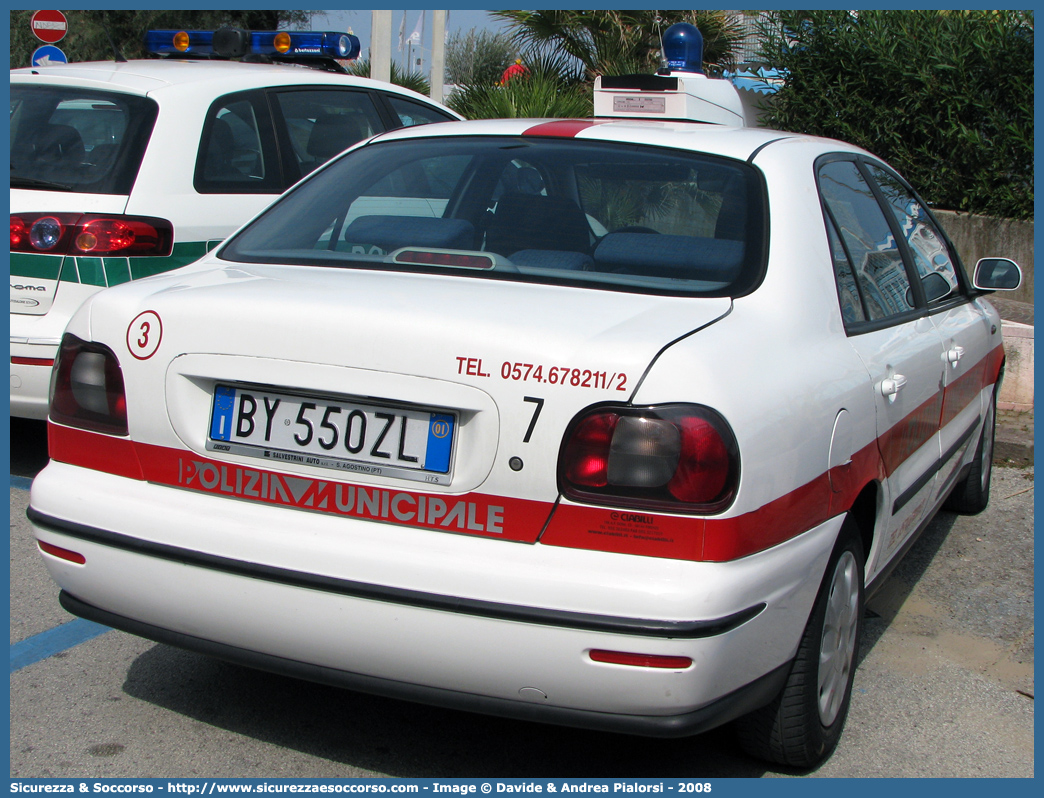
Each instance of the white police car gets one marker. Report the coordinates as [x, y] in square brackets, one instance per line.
[607, 422]
[122, 170]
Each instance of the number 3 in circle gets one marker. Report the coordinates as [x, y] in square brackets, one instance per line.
[144, 334]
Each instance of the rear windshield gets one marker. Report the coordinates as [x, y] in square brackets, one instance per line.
[549, 210]
[69, 139]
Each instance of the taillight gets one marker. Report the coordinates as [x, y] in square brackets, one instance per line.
[91, 234]
[680, 458]
[87, 388]
[19, 233]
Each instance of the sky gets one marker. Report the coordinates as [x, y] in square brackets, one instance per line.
[358, 22]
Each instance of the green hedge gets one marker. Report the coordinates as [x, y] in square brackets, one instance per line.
[946, 97]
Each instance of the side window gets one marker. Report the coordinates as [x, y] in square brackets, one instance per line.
[847, 290]
[236, 154]
[876, 260]
[412, 113]
[322, 123]
[931, 256]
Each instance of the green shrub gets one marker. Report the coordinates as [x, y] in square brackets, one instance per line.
[540, 93]
[946, 97]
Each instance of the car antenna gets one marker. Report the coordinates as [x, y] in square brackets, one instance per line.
[663, 69]
[116, 50]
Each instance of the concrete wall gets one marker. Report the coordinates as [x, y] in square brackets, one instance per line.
[986, 237]
[1017, 388]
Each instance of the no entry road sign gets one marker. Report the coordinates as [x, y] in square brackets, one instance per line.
[49, 26]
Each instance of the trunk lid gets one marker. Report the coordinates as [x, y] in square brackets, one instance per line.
[512, 362]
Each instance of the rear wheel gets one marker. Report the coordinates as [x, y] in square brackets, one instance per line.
[803, 723]
[972, 494]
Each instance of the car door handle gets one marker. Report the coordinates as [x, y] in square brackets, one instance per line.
[892, 385]
[954, 355]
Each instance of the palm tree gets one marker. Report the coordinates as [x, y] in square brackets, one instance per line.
[613, 42]
[410, 79]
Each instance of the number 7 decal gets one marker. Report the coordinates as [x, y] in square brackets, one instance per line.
[536, 414]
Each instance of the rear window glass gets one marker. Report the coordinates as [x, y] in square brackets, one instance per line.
[69, 139]
[603, 214]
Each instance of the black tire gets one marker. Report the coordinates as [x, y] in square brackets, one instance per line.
[971, 495]
[802, 725]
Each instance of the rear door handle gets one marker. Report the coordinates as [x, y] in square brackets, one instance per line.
[892, 385]
[954, 355]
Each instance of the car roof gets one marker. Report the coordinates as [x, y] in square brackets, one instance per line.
[724, 140]
[147, 76]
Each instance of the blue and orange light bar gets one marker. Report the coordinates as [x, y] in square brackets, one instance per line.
[236, 43]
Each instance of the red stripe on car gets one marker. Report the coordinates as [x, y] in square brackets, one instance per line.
[607, 529]
[471, 513]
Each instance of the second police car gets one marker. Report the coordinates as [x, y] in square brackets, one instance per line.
[120, 170]
[610, 423]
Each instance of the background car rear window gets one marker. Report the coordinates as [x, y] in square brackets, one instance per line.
[605, 214]
[66, 138]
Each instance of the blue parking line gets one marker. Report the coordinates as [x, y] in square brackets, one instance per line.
[47, 644]
[57, 639]
[22, 483]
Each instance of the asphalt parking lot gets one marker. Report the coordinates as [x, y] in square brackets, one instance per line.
[945, 685]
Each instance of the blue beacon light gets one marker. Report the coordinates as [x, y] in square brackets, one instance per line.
[683, 48]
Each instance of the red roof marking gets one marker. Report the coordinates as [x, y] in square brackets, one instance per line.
[562, 128]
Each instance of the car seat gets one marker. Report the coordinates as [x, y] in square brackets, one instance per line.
[60, 146]
[334, 133]
[537, 222]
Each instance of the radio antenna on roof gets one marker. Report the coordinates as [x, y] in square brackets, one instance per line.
[116, 50]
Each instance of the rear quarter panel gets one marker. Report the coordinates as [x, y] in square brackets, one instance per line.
[779, 368]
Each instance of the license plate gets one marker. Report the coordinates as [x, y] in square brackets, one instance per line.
[409, 443]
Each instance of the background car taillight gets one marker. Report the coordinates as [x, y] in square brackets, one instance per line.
[87, 388]
[91, 234]
[679, 458]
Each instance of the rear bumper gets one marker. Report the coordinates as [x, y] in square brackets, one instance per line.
[31, 382]
[488, 625]
[725, 709]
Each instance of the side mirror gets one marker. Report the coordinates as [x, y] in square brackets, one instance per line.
[997, 274]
